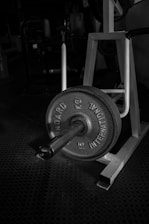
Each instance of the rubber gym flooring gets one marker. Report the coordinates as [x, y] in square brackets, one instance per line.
[60, 190]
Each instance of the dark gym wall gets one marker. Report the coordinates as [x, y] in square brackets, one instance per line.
[9, 15]
[138, 17]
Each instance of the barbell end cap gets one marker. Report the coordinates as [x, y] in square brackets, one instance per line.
[45, 153]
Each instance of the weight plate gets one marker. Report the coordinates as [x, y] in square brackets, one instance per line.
[85, 102]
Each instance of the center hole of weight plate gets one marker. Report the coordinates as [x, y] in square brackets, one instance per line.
[79, 120]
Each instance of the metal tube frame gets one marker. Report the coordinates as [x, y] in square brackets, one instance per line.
[91, 59]
[63, 66]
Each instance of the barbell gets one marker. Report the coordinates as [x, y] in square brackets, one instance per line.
[83, 122]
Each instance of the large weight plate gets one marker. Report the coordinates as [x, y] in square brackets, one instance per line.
[84, 101]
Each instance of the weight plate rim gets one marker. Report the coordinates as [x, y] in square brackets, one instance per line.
[113, 108]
